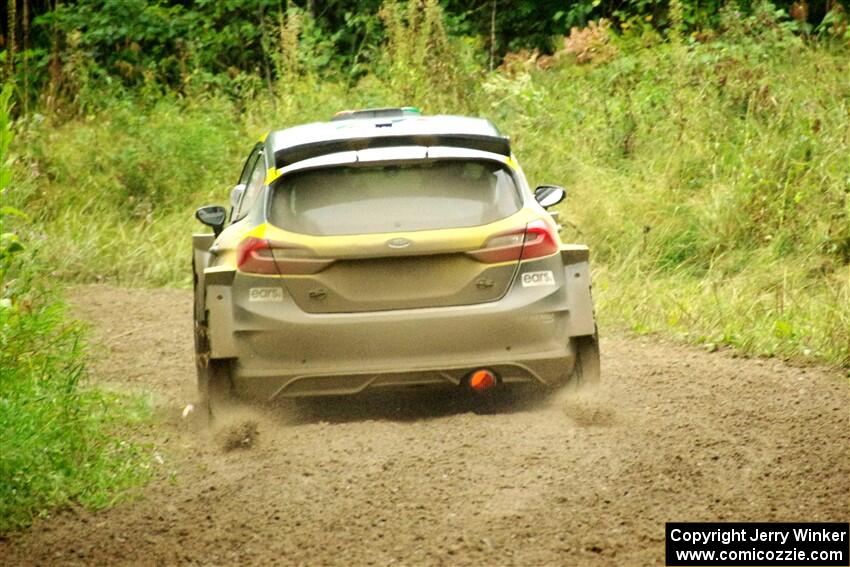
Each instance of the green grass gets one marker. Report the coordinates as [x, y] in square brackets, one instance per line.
[713, 184]
[63, 441]
[711, 180]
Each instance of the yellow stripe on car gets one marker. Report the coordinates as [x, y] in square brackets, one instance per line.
[272, 174]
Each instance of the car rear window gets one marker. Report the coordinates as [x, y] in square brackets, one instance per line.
[423, 195]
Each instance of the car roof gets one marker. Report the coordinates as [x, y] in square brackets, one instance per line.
[360, 131]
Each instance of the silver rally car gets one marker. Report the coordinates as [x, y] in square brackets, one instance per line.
[386, 249]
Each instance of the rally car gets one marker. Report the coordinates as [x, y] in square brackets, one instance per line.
[387, 249]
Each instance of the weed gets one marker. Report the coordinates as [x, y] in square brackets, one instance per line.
[709, 177]
[57, 444]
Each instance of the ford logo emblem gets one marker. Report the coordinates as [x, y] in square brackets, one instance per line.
[398, 243]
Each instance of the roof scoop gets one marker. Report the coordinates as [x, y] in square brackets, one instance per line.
[400, 112]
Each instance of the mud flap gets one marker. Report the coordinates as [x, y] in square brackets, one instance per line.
[201, 244]
[579, 300]
[220, 325]
[215, 378]
[588, 369]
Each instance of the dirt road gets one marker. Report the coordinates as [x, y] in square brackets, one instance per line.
[675, 434]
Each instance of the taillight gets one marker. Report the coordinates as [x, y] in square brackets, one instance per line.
[260, 256]
[535, 241]
[254, 255]
[505, 247]
[540, 240]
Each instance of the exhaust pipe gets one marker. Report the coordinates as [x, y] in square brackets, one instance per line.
[482, 380]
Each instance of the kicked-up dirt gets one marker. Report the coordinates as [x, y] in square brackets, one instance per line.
[424, 478]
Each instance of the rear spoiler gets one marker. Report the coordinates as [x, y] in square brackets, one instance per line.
[494, 144]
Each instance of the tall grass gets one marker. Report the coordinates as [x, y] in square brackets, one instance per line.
[710, 179]
[57, 444]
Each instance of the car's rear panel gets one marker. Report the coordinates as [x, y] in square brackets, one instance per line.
[405, 282]
[284, 351]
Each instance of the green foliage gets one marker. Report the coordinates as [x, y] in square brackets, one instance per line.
[5, 136]
[10, 242]
[735, 144]
[712, 182]
[57, 445]
[704, 148]
[709, 177]
[70, 53]
[422, 62]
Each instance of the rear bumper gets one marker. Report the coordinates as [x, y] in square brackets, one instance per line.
[282, 351]
[283, 385]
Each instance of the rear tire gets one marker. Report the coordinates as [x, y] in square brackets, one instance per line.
[588, 370]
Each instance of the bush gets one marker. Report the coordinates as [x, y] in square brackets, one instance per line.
[712, 182]
[708, 175]
[57, 444]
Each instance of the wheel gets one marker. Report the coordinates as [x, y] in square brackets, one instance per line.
[587, 368]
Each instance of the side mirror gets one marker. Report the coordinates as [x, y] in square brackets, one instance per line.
[236, 195]
[213, 216]
[549, 195]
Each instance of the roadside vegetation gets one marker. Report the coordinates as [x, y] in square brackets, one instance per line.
[707, 169]
[706, 152]
[57, 444]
